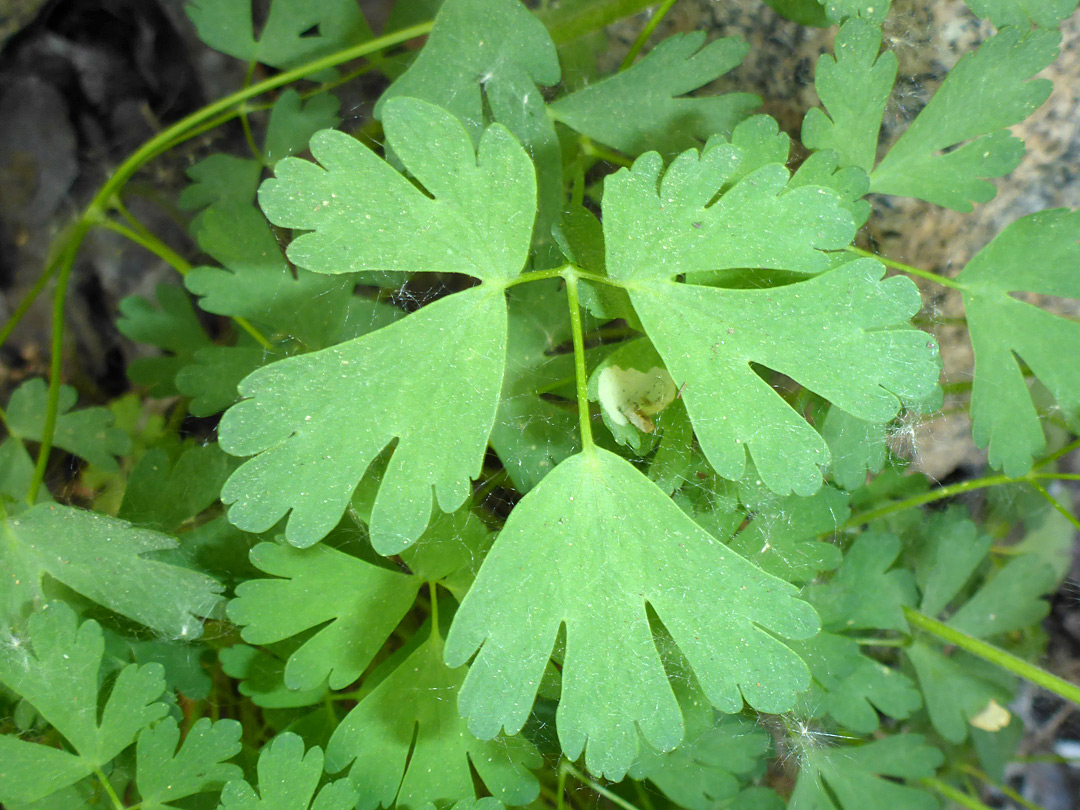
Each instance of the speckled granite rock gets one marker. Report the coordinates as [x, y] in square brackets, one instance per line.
[928, 39]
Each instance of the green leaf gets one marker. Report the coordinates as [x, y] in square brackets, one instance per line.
[318, 421]
[532, 434]
[391, 768]
[874, 11]
[365, 216]
[87, 432]
[29, 772]
[107, 560]
[161, 495]
[849, 685]
[221, 178]
[782, 535]
[856, 447]
[295, 31]
[803, 12]
[257, 283]
[483, 61]
[957, 688]
[1036, 253]
[851, 183]
[850, 777]
[1009, 600]
[643, 108]
[953, 548]
[450, 550]
[355, 606]
[864, 593]
[600, 541]
[16, 473]
[1022, 13]
[761, 142]
[262, 678]
[172, 326]
[854, 87]
[288, 779]
[55, 669]
[985, 92]
[165, 774]
[720, 751]
[293, 122]
[214, 375]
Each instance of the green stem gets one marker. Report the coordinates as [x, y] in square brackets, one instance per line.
[28, 299]
[614, 798]
[1005, 789]
[1064, 451]
[580, 371]
[1054, 502]
[646, 32]
[560, 789]
[988, 652]
[949, 792]
[560, 272]
[434, 609]
[105, 783]
[151, 243]
[907, 268]
[603, 153]
[949, 492]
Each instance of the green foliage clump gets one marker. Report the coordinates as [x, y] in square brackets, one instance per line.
[550, 440]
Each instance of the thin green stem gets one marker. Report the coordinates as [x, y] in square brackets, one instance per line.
[28, 299]
[560, 789]
[881, 642]
[614, 798]
[592, 149]
[1054, 502]
[951, 491]
[646, 32]
[988, 652]
[580, 370]
[432, 587]
[1064, 451]
[907, 268]
[1004, 789]
[151, 243]
[560, 272]
[105, 783]
[958, 796]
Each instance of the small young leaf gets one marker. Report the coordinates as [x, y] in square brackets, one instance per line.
[390, 768]
[165, 774]
[354, 604]
[1022, 13]
[295, 31]
[854, 87]
[214, 376]
[262, 678]
[848, 682]
[1009, 600]
[87, 432]
[172, 326]
[366, 216]
[850, 777]
[56, 671]
[593, 568]
[221, 178]
[293, 122]
[161, 495]
[288, 779]
[864, 593]
[952, 550]
[642, 108]
[106, 560]
[985, 92]
[1037, 253]
[257, 283]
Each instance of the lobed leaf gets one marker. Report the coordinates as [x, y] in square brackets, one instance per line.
[165, 773]
[985, 92]
[318, 420]
[1022, 13]
[293, 122]
[107, 560]
[55, 669]
[406, 759]
[162, 494]
[288, 779]
[88, 432]
[854, 87]
[173, 326]
[294, 32]
[354, 605]
[600, 542]
[1036, 253]
[364, 215]
[644, 107]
